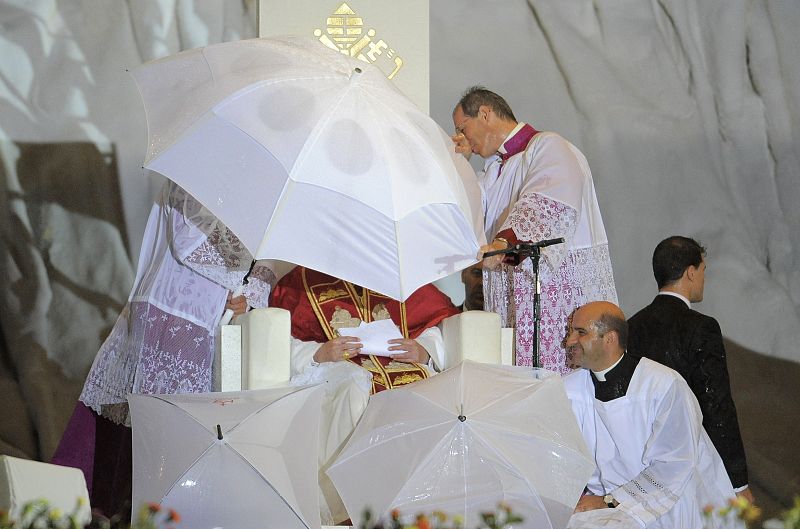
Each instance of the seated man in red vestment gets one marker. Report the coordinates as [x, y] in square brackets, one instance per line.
[320, 305]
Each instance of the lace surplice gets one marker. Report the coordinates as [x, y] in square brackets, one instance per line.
[568, 278]
[163, 341]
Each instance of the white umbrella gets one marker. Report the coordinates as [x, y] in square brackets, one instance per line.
[314, 158]
[235, 460]
[464, 440]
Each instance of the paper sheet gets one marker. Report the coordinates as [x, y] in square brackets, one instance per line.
[374, 336]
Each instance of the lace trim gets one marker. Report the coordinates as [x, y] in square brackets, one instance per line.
[148, 351]
[585, 275]
[259, 286]
[650, 494]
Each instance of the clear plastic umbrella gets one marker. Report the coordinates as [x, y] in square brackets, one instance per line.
[236, 460]
[313, 158]
[464, 440]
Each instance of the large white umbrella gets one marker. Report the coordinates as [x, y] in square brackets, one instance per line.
[314, 158]
[464, 440]
[239, 460]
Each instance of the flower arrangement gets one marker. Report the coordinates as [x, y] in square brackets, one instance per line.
[738, 508]
[741, 509]
[790, 518]
[40, 515]
[502, 518]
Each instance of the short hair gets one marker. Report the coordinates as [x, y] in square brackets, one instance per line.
[476, 96]
[673, 256]
[608, 323]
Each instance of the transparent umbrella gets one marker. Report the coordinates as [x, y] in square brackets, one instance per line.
[314, 158]
[235, 460]
[463, 441]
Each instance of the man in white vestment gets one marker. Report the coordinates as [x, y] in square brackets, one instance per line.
[320, 305]
[190, 263]
[536, 186]
[655, 463]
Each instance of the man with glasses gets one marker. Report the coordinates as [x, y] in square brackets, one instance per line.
[536, 186]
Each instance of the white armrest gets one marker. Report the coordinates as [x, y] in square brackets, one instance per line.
[476, 335]
[266, 347]
[23, 481]
[227, 372]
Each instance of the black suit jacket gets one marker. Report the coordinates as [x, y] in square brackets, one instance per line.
[689, 342]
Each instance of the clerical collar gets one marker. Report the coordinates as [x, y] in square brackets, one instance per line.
[517, 140]
[675, 294]
[601, 375]
[617, 379]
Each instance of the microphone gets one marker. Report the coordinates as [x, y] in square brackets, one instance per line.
[525, 248]
[544, 243]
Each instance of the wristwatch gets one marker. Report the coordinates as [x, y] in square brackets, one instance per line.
[610, 501]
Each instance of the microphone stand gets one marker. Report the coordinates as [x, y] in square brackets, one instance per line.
[534, 251]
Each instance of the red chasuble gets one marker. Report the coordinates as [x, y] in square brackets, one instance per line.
[321, 304]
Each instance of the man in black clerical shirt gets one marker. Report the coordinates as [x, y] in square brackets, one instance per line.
[670, 332]
[643, 426]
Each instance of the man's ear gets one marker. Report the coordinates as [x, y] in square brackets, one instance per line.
[690, 272]
[484, 111]
[611, 337]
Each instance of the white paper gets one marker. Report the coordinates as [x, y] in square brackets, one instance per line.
[374, 336]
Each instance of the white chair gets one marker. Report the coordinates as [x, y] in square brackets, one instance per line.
[23, 481]
[254, 352]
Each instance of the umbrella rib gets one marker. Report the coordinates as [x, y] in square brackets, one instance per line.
[268, 482]
[424, 463]
[188, 468]
[510, 468]
[262, 408]
[414, 130]
[170, 403]
[374, 444]
[313, 136]
[504, 429]
[259, 410]
[499, 399]
[316, 132]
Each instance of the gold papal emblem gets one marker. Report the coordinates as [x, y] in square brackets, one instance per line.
[345, 34]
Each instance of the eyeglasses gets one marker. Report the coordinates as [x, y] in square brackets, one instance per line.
[460, 128]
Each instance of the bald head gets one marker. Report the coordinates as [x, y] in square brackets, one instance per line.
[599, 335]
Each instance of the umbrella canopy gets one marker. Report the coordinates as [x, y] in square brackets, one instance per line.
[464, 440]
[229, 460]
[314, 158]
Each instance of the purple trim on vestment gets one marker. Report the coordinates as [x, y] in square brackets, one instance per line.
[517, 143]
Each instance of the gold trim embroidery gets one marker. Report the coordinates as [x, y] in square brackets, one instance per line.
[407, 379]
[330, 333]
[332, 293]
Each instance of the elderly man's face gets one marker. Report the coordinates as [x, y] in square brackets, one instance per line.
[476, 130]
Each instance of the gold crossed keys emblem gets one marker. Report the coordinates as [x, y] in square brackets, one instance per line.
[345, 34]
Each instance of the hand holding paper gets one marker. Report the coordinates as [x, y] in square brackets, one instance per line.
[374, 336]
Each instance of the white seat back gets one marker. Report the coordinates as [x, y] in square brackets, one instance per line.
[23, 481]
